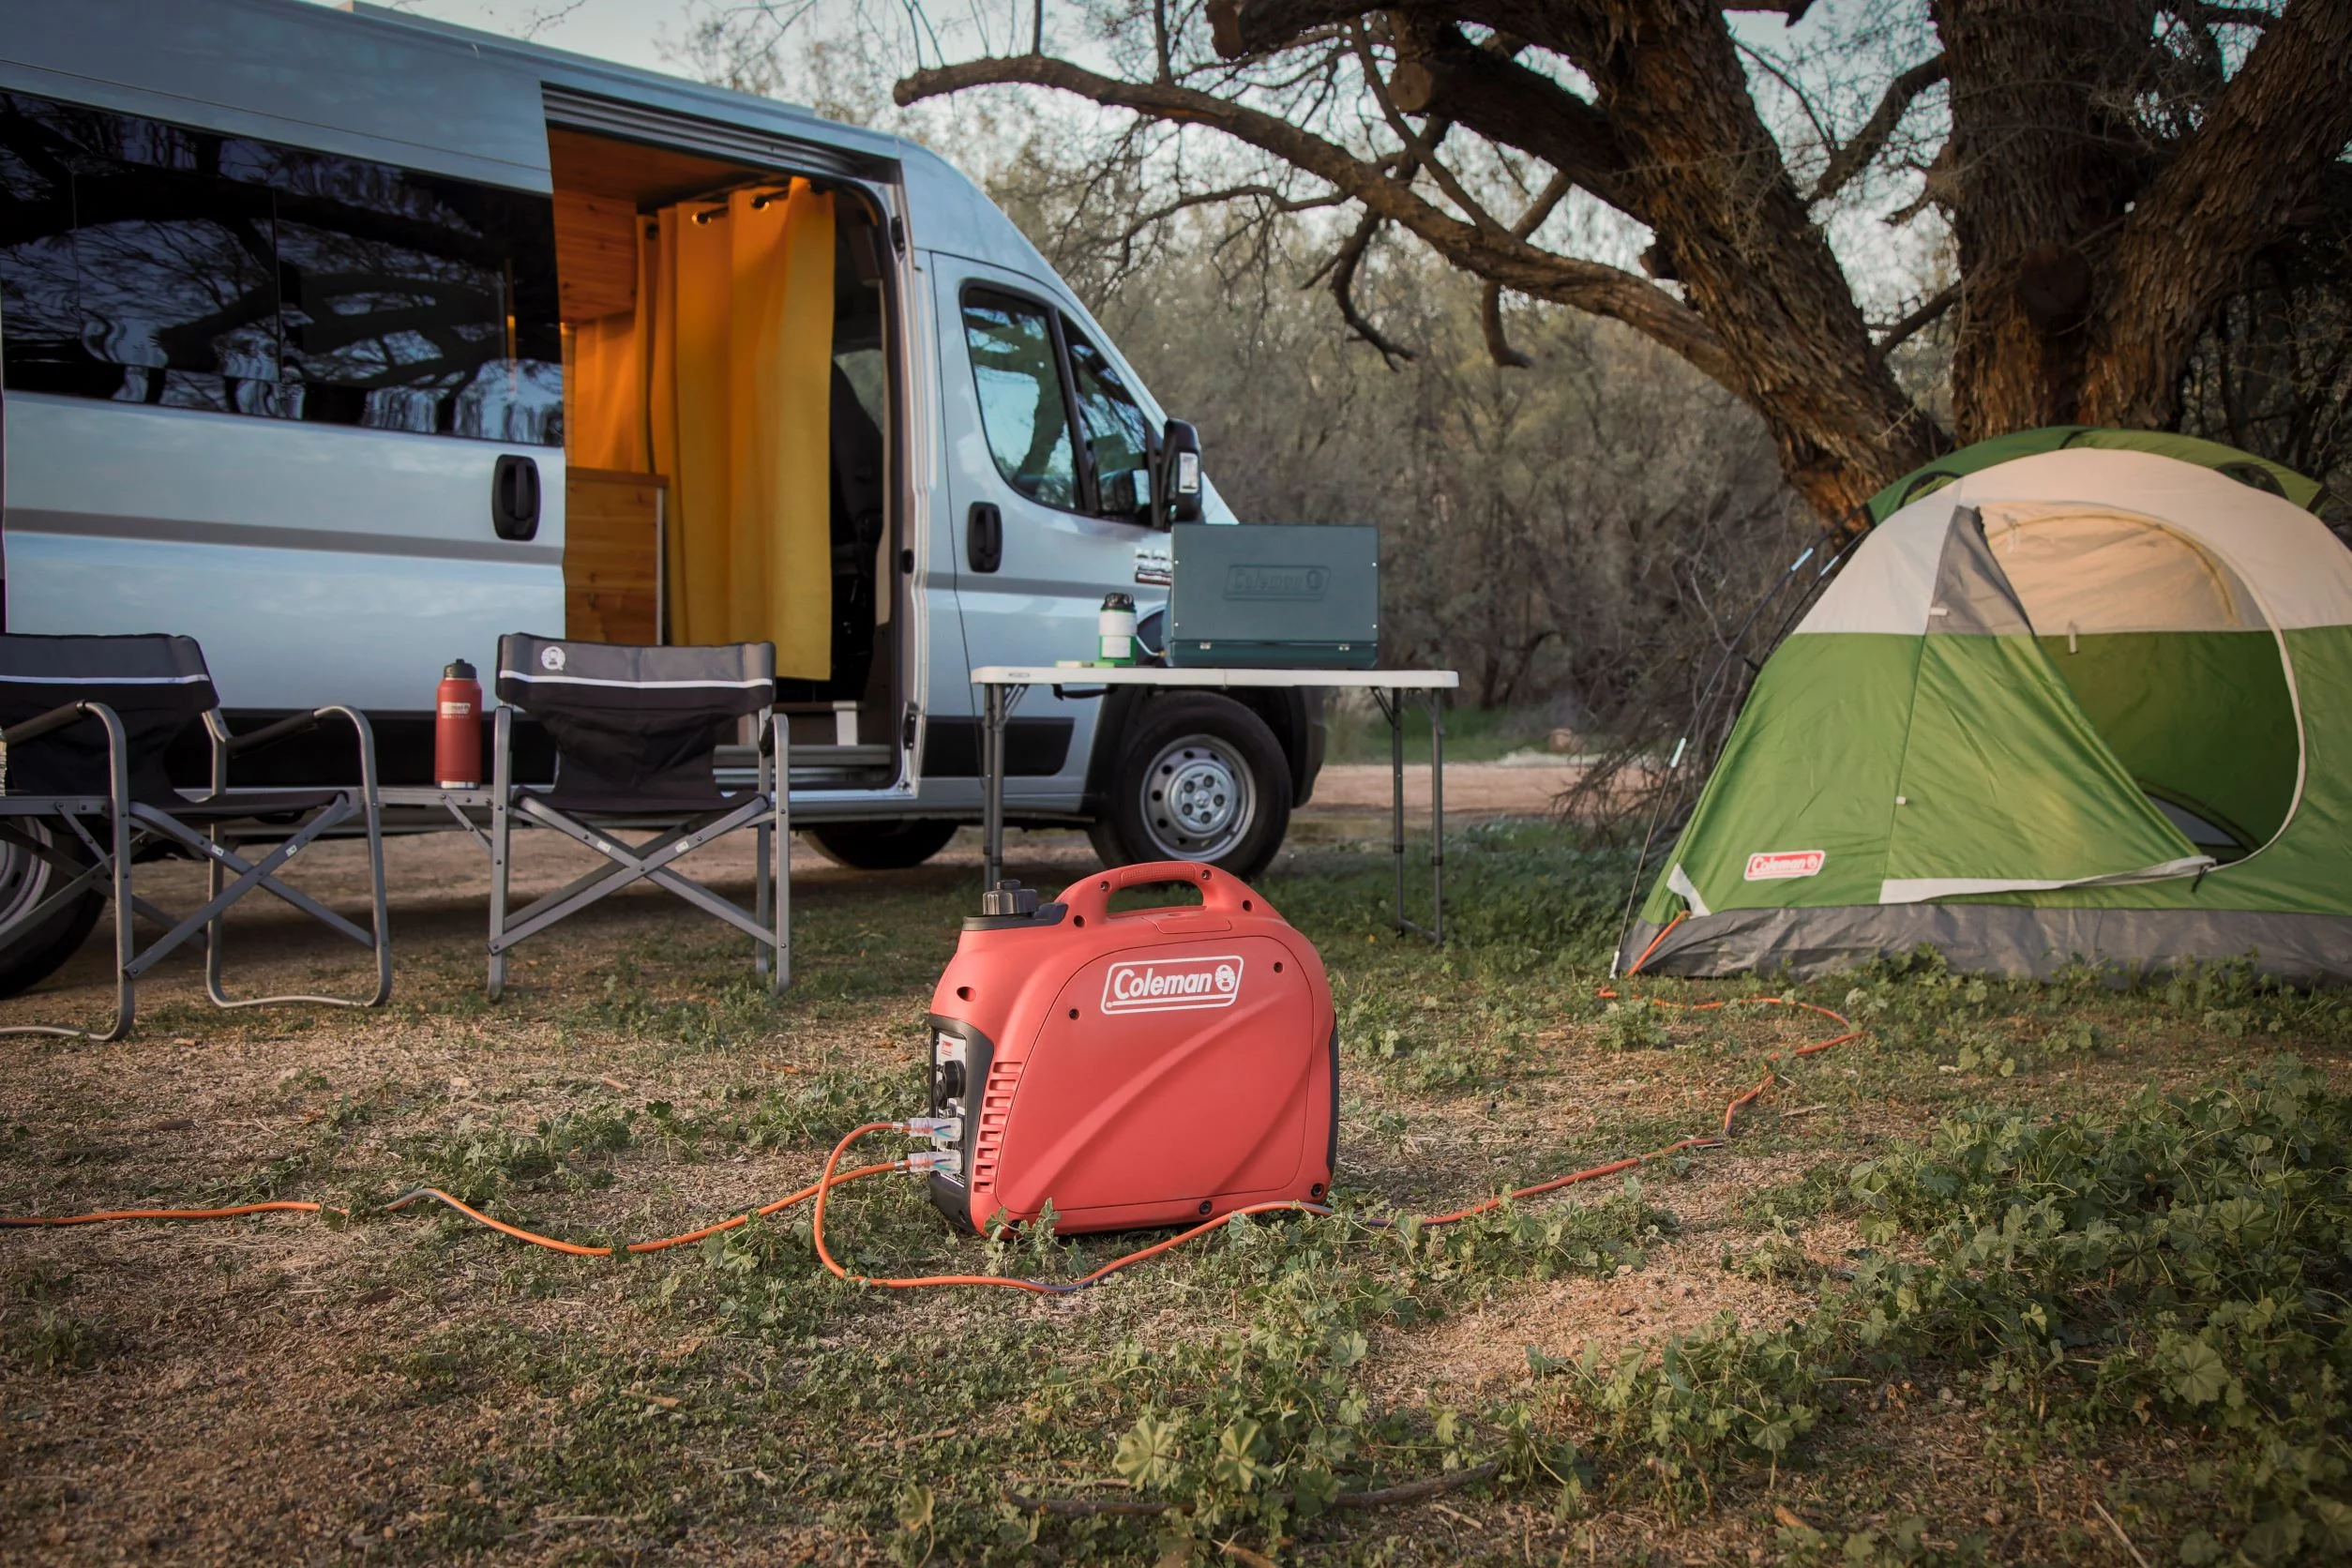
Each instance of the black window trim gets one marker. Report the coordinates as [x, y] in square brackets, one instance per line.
[1081, 454]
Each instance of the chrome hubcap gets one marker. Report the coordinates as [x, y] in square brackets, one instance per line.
[24, 880]
[1198, 799]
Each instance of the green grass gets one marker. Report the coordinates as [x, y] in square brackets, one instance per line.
[2021, 1248]
[1471, 734]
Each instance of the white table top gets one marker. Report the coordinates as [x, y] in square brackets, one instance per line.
[1142, 674]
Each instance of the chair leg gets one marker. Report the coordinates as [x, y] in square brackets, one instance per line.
[377, 937]
[783, 840]
[501, 842]
[118, 857]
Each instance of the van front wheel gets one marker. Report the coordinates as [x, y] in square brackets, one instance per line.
[1199, 777]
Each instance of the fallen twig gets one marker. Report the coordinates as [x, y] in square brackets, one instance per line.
[2118, 1533]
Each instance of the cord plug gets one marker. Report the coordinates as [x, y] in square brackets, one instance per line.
[941, 1162]
[943, 1131]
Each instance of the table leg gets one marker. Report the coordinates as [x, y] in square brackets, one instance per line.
[992, 786]
[1436, 816]
[1394, 706]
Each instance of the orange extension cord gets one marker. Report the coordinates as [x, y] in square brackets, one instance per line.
[829, 1180]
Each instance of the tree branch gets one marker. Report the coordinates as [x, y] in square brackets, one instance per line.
[1348, 260]
[1499, 347]
[1486, 91]
[1241, 28]
[1426, 156]
[1935, 306]
[1853, 158]
[1267, 193]
[1514, 263]
[1343, 289]
[1490, 301]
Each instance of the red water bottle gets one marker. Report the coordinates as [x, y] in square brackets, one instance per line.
[458, 727]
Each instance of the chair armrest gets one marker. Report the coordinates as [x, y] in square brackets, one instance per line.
[269, 734]
[363, 734]
[48, 723]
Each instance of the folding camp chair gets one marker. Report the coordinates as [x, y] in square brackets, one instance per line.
[637, 732]
[85, 722]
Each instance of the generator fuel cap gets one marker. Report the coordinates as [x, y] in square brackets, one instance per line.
[1008, 897]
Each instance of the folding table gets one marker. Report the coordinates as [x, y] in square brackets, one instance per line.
[1002, 686]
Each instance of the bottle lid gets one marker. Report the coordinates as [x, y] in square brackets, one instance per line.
[458, 669]
[1118, 601]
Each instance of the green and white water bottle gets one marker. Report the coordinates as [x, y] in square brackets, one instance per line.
[1115, 630]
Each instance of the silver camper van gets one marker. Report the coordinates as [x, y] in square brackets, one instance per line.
[345, 341]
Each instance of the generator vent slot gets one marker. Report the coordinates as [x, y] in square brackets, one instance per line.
[995, 1105]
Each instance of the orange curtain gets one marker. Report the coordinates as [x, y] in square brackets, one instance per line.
[604, 383]
[739, 301]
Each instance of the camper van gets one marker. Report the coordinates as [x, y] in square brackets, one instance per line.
[345, 341]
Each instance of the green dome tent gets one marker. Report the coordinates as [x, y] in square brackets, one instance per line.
[2080, 696]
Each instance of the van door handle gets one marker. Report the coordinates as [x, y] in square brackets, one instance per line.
[984, 537]
[515, 498]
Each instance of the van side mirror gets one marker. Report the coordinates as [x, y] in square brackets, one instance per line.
[1176, 477]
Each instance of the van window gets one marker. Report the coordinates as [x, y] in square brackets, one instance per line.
[143, 262]
[1018, 377]
[1118, 444]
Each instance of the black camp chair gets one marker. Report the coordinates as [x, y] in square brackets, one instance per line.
[85, 722]
[637, 732]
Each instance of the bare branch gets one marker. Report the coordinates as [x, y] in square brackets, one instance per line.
[1499, 347]
[1425, 155]
[1853, 158]
[1342, 288]
[1795, 89]
[1934, 307]
[1498, 257]
[1274, 199]
[1349, 259]
[1490, 300]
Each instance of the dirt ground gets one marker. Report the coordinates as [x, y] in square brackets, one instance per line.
[408, 1389]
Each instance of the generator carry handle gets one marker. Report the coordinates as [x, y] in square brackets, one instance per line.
[1090, 898]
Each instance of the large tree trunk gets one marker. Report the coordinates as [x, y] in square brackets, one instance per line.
[2253, 168]
[2039, 172]
[1692, 160]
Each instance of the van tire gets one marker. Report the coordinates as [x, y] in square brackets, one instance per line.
[889, 846]
[31, 953]
[1199, 777]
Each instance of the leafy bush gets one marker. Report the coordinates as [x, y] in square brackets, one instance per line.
[476, 1162]
[2190, 1264]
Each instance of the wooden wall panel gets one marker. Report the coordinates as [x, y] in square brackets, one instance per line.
[611, 555]
[596, 254]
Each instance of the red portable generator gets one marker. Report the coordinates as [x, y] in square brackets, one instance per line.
[1143, 1068]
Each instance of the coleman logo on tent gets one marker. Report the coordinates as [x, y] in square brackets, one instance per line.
[1785, 863]
[1163, 985]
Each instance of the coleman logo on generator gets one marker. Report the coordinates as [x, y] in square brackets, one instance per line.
[1166, 984]
[1786, 863]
